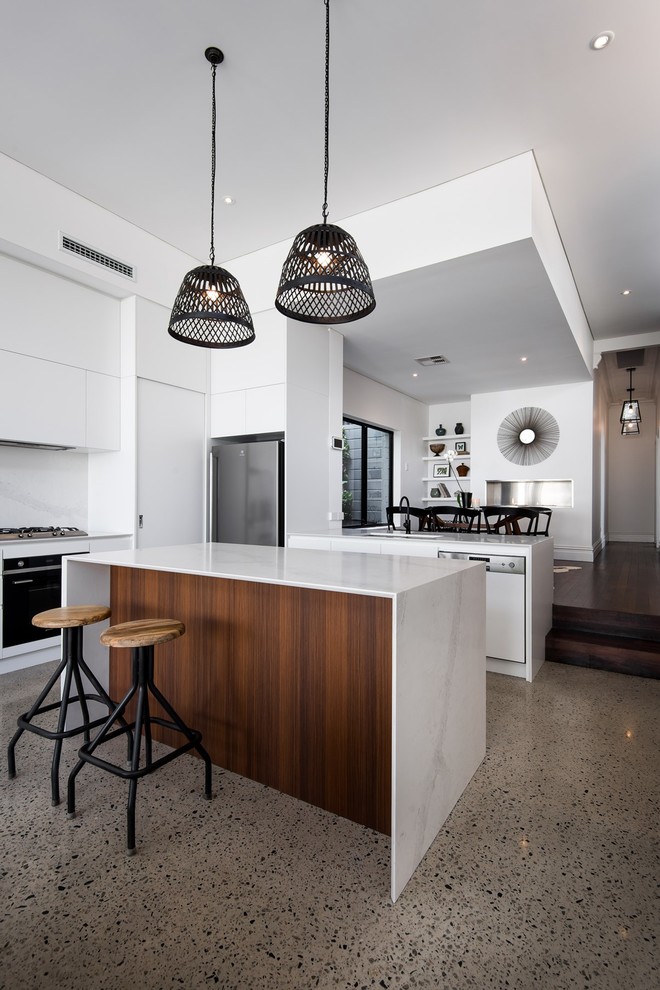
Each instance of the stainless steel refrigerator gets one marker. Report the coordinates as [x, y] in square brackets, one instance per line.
[247, 492]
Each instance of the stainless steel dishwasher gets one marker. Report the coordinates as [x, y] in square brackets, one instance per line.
[505, 603]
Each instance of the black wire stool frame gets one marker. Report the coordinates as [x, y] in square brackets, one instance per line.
[74, 665]
[142, 685]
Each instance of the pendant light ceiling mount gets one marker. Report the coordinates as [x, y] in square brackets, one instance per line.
[325, 279]
[210, 310]
[214, 55]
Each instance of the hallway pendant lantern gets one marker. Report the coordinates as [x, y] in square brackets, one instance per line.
[631, 415]
[210, 310]
[325, 278]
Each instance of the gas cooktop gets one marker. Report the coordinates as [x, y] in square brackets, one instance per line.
[39, 532]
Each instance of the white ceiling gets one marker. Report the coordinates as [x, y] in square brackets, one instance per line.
[112, 101]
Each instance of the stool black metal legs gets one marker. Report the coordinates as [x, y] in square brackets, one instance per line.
[73, 666]
[142, 686]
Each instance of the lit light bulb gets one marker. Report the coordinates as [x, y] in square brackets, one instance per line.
[212, 294]
[323, 258]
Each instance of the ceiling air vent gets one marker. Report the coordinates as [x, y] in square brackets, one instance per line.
[630, 359]
[428, 362]
[97, 257]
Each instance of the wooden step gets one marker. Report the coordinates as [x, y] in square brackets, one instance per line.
[621, 654]
[601, 622]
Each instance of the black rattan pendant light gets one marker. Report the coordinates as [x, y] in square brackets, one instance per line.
[631, 415]
[325, 278]
[210, 310]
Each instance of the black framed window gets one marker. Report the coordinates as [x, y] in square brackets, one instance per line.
[367, 461]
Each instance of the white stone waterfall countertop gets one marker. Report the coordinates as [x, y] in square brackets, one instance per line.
[361, 574]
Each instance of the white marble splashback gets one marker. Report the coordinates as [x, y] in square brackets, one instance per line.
[42, 488]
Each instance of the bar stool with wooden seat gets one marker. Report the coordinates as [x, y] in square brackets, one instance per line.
[70, 619]
[140, 636]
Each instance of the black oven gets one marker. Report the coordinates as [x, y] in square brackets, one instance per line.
[29, 585]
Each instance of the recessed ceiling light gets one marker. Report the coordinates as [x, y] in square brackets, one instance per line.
[625, 292]
[523, 359]
[414, 374]
[228, 200]
[601, 41]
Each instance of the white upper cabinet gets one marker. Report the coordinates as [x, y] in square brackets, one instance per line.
[41, 402]
[60, 360]
[58, 320]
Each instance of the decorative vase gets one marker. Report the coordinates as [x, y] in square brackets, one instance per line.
[464, 499]
[440, 432]
[462, 470]
[458, 429]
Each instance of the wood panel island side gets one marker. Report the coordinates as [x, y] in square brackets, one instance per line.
[354, 682]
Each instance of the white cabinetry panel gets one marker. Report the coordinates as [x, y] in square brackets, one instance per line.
[58, 320]
[103, 412]
[171, 454]
[265, 409]
[228, 414]
[56, 412]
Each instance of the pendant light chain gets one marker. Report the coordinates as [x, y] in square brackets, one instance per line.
[212, 253]
[327, 110]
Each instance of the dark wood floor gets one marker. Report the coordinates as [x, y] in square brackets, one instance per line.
[607, 614]
[625, 577]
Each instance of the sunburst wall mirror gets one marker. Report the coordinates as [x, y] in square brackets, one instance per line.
[528, 435]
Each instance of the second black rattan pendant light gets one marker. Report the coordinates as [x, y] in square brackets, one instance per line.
[210, 309]
[325, 278]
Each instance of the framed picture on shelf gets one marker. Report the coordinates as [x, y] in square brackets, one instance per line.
[441, 471]
[460, 447]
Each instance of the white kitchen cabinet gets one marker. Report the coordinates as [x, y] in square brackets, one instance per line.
[99, 544]
[354, 546]
[407, 548]
[103, 412]
[171, 453]
[41, 401]
[47, 402]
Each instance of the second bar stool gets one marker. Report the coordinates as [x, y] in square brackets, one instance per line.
[141, 636]
[70, 619]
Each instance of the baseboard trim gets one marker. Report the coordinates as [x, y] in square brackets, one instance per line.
[618, 538]
[574, 553]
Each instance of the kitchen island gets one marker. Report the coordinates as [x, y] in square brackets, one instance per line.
[356, 683]
[519, 582]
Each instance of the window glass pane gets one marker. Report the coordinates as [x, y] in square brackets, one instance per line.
[366, 474]
[378, 475]
[352, 474]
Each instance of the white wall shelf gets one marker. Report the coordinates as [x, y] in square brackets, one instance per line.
[448, 436]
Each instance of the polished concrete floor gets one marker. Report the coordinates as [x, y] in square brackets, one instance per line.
[544, 876]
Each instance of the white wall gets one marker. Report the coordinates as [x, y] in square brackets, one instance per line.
[34, 211]
[631, 478]
[572, 407]
[374, 403]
